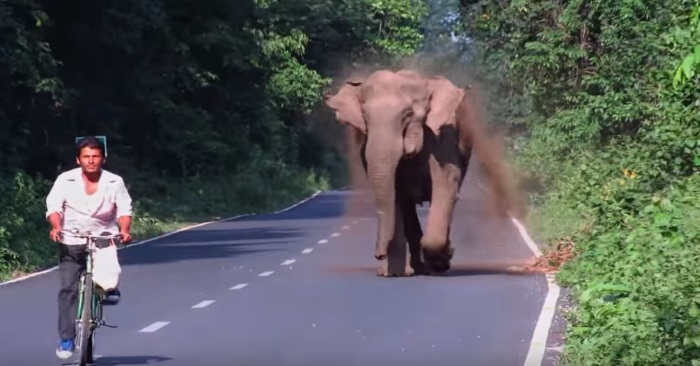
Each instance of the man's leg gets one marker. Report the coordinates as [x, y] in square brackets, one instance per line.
[71, 264]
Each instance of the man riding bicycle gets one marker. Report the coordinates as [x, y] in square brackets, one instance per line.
[87, 198]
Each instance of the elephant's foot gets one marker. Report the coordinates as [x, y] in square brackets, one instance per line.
[418, 267]
[383, 270]
[438, 260]
[408, 271]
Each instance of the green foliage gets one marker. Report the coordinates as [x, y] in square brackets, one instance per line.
[398, 19]
[292, 85]
[23, 213]
[206, 106]
[611, 91]
[690, 63]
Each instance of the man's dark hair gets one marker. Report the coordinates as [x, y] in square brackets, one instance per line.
[91, 142]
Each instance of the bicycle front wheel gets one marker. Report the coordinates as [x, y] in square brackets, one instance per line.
[84, 331]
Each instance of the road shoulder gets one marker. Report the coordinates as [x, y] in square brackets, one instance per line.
[557, 332]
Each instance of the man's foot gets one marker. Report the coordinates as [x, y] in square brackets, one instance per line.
[65, 349]
[111, 297]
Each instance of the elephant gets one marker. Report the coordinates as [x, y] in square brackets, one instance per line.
[414, 133]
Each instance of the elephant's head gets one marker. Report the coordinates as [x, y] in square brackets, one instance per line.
[389, 109]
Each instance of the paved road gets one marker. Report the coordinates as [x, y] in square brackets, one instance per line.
[297, 289]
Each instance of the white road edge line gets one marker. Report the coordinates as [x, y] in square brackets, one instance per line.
[307, 250]
[266, 273]
[23, 278]
[203, 304]
[299, 203]
[288, 262]
[239, 286]
[153, 327]
[538, 344]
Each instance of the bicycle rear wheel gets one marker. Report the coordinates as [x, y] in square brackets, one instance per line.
[84, 331]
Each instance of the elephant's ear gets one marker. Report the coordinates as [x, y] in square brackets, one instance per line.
[445, 98]
[346, 104]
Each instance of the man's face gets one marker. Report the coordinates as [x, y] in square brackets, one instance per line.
[90, 160]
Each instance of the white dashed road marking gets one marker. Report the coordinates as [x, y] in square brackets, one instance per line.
[288, 262]
[335, 235]
[307, 250]
[203, 304]
[153, 327]
[239, 286]
[346, 227]
[266, 273]
[323, 241]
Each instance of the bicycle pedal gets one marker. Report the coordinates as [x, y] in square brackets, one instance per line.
[109, 326]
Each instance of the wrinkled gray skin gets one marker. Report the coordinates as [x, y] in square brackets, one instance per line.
[412, 153]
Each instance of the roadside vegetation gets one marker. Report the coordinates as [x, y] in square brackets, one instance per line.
[207, 106]
[602, 101]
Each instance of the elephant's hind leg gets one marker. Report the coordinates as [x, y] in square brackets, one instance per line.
[397, 261]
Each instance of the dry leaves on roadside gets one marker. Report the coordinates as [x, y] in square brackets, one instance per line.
[554, 258]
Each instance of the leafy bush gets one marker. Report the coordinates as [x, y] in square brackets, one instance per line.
[22, 224]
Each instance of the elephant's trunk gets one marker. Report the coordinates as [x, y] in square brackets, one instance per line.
[383, 154]
[413, 138]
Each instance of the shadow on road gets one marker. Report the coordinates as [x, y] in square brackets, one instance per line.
[210, 244]
[130, 360]
[225, 235]
[188, 253]
[457, 270]
[328, 205]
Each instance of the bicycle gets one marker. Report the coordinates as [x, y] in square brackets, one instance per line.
[89, 318]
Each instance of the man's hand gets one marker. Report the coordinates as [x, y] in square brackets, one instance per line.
[126, 236]
[55, 220]
[124, 226]
[55, 234]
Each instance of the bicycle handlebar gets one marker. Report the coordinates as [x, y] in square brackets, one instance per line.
[77, 234]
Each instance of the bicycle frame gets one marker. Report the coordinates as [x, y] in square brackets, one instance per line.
[89, 298]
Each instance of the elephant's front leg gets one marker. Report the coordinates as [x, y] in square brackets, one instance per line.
[437, 251]
[397, 261]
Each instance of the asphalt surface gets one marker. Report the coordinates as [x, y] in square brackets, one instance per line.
[298, 288]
